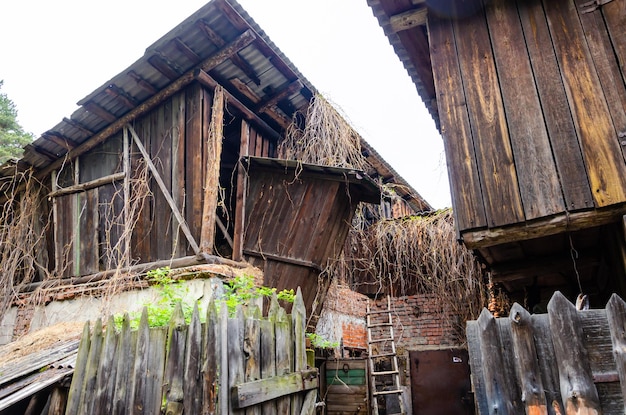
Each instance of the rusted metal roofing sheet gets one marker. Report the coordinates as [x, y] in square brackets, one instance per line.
[28, 375]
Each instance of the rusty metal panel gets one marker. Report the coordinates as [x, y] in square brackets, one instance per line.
[440, 382]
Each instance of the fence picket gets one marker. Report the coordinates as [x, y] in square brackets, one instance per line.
[106, 371]
[496, 388]
[76, 388]
[192, 400]
[284, 355]
[176, 338]
[236, 361]
[140, 366]
[268, 350]
[222, 332]
[91, 372]
[576, 381]
[526, 364]
[125, 348]
[210, 359]
[616, 316]
[298, 316]
[252, 350]
[156, 369]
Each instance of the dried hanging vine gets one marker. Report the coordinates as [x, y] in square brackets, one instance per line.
[24, 221]
[412, 255]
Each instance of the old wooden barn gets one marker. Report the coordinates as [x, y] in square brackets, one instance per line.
[530, 100]
[173, 159]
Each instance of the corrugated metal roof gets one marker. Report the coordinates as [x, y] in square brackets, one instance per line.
[254, 75]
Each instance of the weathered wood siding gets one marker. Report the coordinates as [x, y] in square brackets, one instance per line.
[346, 387]
[532, 100]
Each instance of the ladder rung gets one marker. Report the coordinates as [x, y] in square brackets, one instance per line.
[378, 312]
[382, 340]
[387, 392]
[390, 354]
[379, 325]
[386, 373]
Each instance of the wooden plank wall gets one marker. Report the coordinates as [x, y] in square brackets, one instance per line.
[566, 361]
[531, 100]
[229, 365]
[346, 387]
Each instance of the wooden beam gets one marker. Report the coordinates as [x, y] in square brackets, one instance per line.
[282, 94]
[239, 43]
[286, 260]
[98, 111]
[87, 185]
[142, 83]
[41, 152]
[242, 191]
[60, 140]
[206, 80]
[408, 20]
[120, 95]
[212, 178]
[259, 391]
[186, 50]
[236, 59]
[542, 227]
[84, 130]
[165, 67]
[165, 190]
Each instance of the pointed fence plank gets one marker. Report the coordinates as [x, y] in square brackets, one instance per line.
[140, 364]
[156, 369]
[268, 350]
[284, 354]
[173, 382]
[298, 316]
[192, 400]
[526, 364]
[210, 359]
[74, 397]
[252, 350]
[106, 371]
[576, 381]
[224, 393]
[236, 361]
[122, 394]
[616, 315]
[91, 372]
[496, 388]
[547, 363]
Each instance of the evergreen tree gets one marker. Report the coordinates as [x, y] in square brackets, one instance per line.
[12, 135]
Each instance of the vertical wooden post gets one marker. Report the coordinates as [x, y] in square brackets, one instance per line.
[616, 316]
[58, 250]
[242, 190]
[76, 205]
[125, 260]
[212, 177]
[298, 316]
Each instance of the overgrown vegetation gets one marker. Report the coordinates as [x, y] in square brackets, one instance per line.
[417, 254]
[241, 291]
[12, 136]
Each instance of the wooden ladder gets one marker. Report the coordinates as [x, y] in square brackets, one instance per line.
[382, 349]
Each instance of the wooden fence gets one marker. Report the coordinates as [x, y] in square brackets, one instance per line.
[227, 365]
[563, 362]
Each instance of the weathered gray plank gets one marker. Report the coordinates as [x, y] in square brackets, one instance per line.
[298, 316]
[616, 315]
[224, 392]
[173, 379]
[192, 401]
[526, 364]
[308, 406]
[210, 359]
[122, 397]
[156, 368]
[576, 380]
[75, 393]
[106, 372]
[477, 375]
[255, 392]
[547, 363]
[252, 350]
[268, 350]
[91, 371]
[140, 364]
[496, 390]
[236, 361]
[284, 354]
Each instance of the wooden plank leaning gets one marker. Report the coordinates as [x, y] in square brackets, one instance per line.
[576, 381]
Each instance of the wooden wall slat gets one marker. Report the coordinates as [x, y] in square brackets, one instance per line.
[605, 165]
[615, 17]
[534, 164]
[496, 167]
[547, 363]
[616, 316]
[556, 111]
[455, 129]
[178, 169]
[192, 400]
[193, 159]
[89, 241]
[606, 63]
[140, 240]
[161, 154]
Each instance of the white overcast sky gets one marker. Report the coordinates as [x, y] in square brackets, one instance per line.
[55, 52]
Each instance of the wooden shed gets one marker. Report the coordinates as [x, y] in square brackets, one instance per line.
[148, 170]
[530, 100]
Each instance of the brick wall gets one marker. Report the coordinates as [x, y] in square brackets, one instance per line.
[418, 320]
